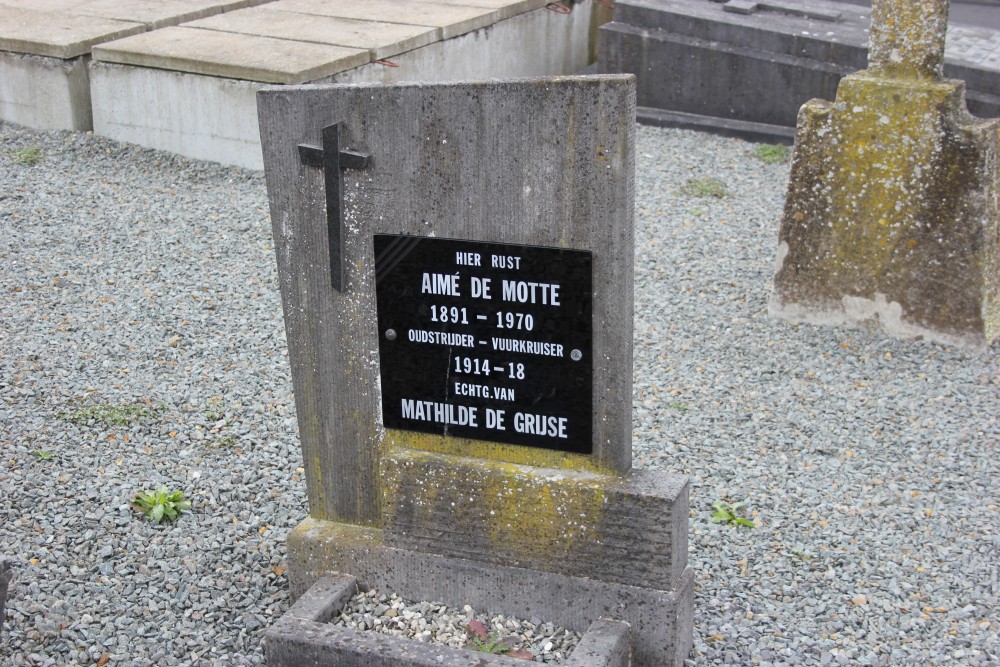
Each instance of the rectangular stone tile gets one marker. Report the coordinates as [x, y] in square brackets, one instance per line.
[230, 55]
[57, 35]
[153, 13]
[382, 39]
[505, 8]
[453, 20]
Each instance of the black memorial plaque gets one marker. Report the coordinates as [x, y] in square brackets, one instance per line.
[490, 341]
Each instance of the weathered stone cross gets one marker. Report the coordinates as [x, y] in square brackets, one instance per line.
[892, 214]
[907, 38]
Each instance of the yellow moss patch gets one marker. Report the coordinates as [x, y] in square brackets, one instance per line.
[523, 512]
[493, 451]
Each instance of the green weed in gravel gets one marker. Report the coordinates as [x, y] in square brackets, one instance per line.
[27, 156]
[109, 415]
[772, 153]
[161, 504]
[704, 187]
[726, 513]
[214, 410]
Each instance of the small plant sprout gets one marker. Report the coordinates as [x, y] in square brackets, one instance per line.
[772, 153]
[161, 504]
[44, 455]
[484, 641]
[724, 512]
[225, 441]
[27, 156]
[704, 187]
[802, 554]
[214, 410]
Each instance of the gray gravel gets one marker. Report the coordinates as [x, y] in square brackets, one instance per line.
[134, 277]
[434, 622]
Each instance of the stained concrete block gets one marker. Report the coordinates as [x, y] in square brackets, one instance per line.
[304, 635]
[384, 40]
[629, 529]
[728, 59]
[224, 54]
[204, 117]
[661, 621]
[45, 93]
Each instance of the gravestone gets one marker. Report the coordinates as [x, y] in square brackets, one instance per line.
[892, 217]
[732, 50]
[455, 262]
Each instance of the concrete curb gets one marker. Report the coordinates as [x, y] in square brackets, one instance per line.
[6, 574]
[305, 636]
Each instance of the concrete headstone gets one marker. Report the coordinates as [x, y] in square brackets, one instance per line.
[392, 209]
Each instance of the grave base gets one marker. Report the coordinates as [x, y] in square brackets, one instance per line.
[45, 93]
[661, 621]
[304, 635]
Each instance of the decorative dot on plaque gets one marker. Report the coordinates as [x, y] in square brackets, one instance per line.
[390, 334]
[576, 355]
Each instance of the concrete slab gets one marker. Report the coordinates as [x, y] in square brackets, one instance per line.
[453, 20]
[213, 118]
[55, 34]
[43, 92]
[223, 54]
[384, 40]
[153, 13]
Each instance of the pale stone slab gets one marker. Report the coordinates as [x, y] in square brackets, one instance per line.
[224, 54]
[453, 20]
[57, 35]
[153, 13]
[382, 39]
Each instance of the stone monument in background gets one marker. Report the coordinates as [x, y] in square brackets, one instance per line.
[893, 208]
[455, 263]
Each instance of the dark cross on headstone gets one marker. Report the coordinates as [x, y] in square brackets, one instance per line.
[332, 159]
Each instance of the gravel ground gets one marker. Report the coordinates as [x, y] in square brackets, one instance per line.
[136, 278]
[437, 623]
